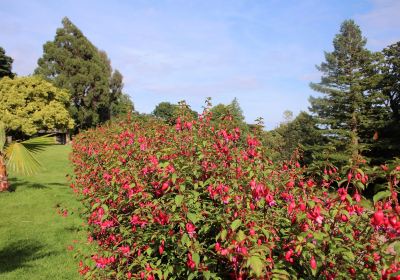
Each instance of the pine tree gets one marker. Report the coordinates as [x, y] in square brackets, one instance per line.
[348, 109]
[388, 145]
[72, 62]
[5, 65]
[390, 83]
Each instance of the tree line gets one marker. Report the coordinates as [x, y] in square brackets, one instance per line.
[355, 117]
[72, 64]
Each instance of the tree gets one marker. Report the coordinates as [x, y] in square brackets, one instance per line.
[169, 112]
[72, 62]
[300, 134]
[19, 157]
[31, 104]
[390, 83]
[122, 106]
[5, 65]
[166, 111]
[387, 138]
[232, 110]
[348, 107]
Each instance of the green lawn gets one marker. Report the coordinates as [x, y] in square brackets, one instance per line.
[33, 237]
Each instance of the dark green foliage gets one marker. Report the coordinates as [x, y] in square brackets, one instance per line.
[122, 106]
[166, 111]
[169, 112]
[5, 64]
[387, 144]
[300, 134]
[390, 83]
[233, 111]
[71, 61]
[349, 111]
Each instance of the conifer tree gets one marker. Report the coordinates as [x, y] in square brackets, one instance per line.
[348, 110]
[5, 64]
[72, 62]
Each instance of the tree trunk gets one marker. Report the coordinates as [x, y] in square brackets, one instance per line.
[4, 184]
[354, 139]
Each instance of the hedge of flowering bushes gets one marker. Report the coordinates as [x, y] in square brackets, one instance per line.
[201, 201]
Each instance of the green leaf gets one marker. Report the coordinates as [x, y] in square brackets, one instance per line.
[381, 195]
[256, 265]
[186, 240]
[397, 247]
[178, 200]
[235, 224]
[193, 217]
[21, 161]
[240, 236]
[38, 144]
[196, 258]
[207, 274]
[2, 136]
[223, 234]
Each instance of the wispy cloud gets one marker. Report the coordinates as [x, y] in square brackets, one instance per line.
[381, 23]
[261, 51]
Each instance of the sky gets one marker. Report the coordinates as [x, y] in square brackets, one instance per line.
[263, 52]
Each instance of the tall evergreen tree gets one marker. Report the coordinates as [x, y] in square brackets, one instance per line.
[72, 62]
[389, 87]
[5, 64]
[390, 83]
[348, 109]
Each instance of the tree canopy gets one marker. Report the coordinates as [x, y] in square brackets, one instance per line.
[72, 62]
[169, 111]
[5, 64]
[349, 111]
[31, 104]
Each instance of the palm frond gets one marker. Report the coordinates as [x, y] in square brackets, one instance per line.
[37, 144]
[2, 136]
[20, 160]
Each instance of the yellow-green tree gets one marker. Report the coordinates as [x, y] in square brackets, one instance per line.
[31, 104]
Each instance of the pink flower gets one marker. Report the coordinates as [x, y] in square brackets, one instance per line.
[191, 229]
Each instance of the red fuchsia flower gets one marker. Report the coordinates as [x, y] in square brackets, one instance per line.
[124, 250]
[288, 256]
[161, 247]
[315, 214]
[107, 224]
[161, 218]
[313, 263]
[188, 125]
[270, 200]
[291, 207]
[107, 177]
[378, 218]
[349, 176]
[190, 263]
[191, 229]
[342, 193]
[344, 218]
[135, 220]
[357, 197]
[290, 184]
[310, 183]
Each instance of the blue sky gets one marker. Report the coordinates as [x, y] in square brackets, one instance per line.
[263, 52]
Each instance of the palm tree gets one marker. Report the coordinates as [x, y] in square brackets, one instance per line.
[19, 157]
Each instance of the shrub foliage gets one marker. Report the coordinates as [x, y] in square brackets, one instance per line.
[201, 201]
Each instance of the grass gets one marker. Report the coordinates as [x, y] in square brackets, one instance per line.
[33, 237]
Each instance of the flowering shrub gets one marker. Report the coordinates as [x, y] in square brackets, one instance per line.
[201, 201]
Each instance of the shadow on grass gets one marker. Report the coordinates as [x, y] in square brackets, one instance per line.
[19, 253]
[15, 183]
